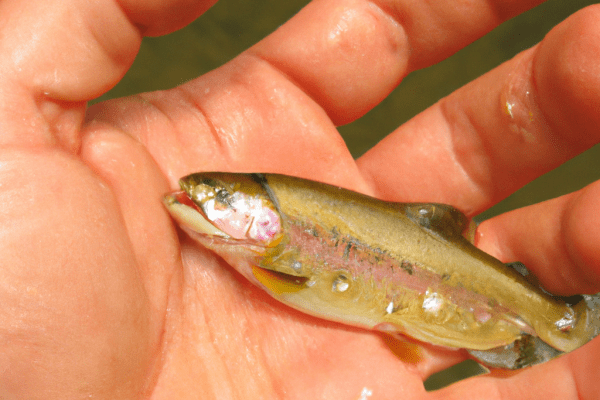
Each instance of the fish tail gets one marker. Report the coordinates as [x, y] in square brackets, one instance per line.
[524, 352]
[531, 350]
[592, 302]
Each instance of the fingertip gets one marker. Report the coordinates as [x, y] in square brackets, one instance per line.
[548, 238]
[581, 227]
[347, 55]
[159, 17]
[567, 75]
[57, 55]
[583, 363]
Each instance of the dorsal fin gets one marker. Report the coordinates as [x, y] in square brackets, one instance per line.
[442, 219]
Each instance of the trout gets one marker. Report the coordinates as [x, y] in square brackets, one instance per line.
[401, 268]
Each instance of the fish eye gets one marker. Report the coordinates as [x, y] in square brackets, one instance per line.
[223, 196]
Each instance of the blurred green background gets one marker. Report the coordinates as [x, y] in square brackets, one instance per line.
[231, 26]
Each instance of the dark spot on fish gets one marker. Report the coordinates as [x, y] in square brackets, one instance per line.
[209, 182]
[383, 253]
[313, 232]
[445, 277]
[347, 250]
[407, 267]
[335, 232]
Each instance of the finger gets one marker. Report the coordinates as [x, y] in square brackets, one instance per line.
[244, 116]
[269, 109]
[492, 136]
[557, 240]
[159, 17]
[58, 54]
[572, 376]
[348, 55]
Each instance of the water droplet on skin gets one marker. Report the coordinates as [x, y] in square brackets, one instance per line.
[297, 266]
[366, 392]
[425, 212]
[508, 109]
[566, 323]
[340, 284]
[390, 308]
[432, 302]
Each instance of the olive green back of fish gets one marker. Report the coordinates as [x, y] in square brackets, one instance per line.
[430, 236]
[405, 269]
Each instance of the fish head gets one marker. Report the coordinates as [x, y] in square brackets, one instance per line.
[230, 214]
[219, 205]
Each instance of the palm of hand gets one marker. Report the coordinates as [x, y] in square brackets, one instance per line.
[117, 306]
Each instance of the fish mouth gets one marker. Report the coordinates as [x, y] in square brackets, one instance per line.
[187, 213]
[279, 282]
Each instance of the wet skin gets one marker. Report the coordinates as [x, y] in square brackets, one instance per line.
[103, 297]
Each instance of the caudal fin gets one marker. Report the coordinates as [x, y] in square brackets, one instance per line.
[593, 314]
[531, 350]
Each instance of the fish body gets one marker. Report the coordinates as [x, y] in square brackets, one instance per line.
[405, 269]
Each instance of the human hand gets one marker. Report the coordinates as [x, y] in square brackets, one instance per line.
[101, 297]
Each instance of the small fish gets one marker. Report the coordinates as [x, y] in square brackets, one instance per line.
[405, 269]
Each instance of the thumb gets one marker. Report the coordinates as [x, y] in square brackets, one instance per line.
[56, 55]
